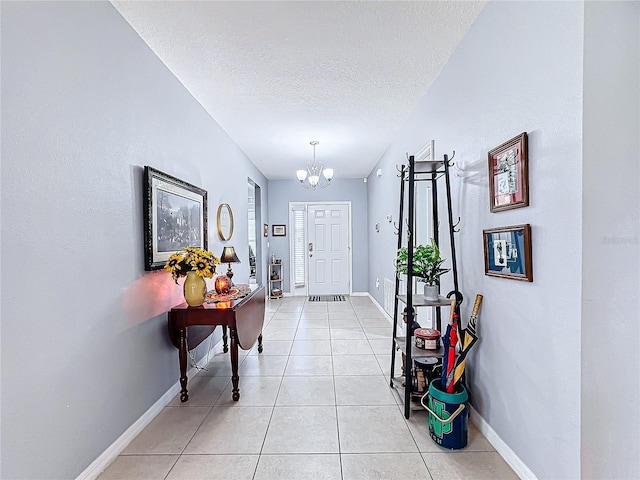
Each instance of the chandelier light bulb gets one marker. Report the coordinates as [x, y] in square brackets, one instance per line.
[302, 174]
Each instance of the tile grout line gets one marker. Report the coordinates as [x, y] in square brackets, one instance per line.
[335, 401]
[190, 438]
[172, 467]
[266, 432]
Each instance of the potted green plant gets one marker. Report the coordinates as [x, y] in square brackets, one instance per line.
[427, 267]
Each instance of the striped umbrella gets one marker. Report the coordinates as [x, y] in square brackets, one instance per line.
[470, 338]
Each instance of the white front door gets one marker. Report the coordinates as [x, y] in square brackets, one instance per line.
[328, 249]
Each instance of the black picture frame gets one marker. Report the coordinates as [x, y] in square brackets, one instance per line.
[175, 216]
[507, 252]
[278, 230]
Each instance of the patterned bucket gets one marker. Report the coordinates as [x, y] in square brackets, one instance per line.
[448, 416]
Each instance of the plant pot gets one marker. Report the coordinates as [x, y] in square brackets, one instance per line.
[431, 292]
[195, 289]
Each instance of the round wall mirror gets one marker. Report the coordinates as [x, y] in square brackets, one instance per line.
[225, 222]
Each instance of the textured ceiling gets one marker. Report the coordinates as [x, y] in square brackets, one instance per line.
[276, 75]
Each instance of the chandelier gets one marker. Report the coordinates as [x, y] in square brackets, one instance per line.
[315, 175]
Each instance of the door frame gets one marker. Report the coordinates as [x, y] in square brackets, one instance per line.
[304, 291]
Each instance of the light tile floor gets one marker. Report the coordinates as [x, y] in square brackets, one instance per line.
[314, 405]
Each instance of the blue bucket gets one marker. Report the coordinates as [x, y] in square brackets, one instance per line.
[448, 416]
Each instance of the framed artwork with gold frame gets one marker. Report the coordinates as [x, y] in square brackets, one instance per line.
[225, 222]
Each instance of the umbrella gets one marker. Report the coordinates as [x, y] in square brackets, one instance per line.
[449, 341]
[470, 338]
[451, 357]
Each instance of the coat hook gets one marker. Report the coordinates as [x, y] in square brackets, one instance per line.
[396, 229]
[459, 297]
[455, 229]
[451, 164]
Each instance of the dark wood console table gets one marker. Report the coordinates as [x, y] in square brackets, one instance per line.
[191, 325]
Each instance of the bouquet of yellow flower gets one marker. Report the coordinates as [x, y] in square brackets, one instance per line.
[190, 259]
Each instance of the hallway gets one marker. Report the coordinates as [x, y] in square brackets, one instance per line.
[315, 405]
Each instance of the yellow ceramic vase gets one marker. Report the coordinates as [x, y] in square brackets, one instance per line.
[195, 289]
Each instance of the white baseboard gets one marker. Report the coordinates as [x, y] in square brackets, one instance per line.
[501, 447]
[116, 448]
[381, 308]
[359, 294]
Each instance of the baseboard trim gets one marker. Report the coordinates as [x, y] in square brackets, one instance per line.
[116, 448]
[381, 308]
[501, 447]
[359, 294]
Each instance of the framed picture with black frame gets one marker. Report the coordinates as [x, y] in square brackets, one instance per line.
[175, 216]
[507, 252]
[279, 230]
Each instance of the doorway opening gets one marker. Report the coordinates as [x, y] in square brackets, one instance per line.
[253, 231]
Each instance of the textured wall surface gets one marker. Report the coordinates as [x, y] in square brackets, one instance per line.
[85, 105]
[518, 69]
[348, 71]
[611, 248]
[281, 192]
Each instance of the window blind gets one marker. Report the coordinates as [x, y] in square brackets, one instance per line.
[298, 248]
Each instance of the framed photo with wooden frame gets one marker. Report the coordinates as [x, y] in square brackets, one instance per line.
[509, 175]
[279, 230]
[507, 252]
[175, 216]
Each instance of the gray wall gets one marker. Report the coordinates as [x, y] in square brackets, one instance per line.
[518, 69]
[85, 105]
[281, 192]
[610, 246]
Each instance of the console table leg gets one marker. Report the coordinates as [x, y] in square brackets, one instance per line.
[225, 348]
[260, 343]
[234, 365]
[182, 354]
